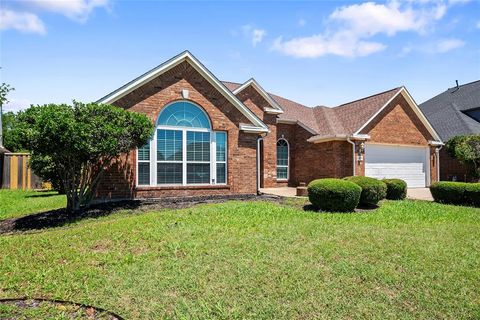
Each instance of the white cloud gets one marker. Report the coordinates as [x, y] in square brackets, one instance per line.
[340, 44]
[21, 21]
[78, 10]
[350, 28]
[446, 45]
[255, 35]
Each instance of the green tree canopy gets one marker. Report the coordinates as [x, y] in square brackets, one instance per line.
[466, 149]
[79, 141]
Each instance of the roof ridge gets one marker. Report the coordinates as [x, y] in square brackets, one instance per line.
[367, 97]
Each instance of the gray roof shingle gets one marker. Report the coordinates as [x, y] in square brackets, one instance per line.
[446, 111]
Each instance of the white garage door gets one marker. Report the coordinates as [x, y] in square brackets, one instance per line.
[406, 163]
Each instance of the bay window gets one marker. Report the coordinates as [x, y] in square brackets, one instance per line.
[184, 150]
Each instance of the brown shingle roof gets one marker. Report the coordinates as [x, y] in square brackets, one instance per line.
[344, 119]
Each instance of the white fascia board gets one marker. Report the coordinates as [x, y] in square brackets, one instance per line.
[436, 143]
[272, 111]
[252, 129]
[262, 92]
[197, 65]
[403, 91]
[360, 137]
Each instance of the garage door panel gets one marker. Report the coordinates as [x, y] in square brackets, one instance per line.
[406, 163]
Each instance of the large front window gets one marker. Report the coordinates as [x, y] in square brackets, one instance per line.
[184, 149]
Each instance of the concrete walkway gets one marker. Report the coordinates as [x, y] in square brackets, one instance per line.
[414, 193]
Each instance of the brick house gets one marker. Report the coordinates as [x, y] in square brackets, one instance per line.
[224, 138]
[456, 111]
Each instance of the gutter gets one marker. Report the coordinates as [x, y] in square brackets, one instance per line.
[353, 154]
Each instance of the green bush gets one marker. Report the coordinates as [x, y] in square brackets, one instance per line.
[449, 192]
[472, 194]
[373, 190]
[396, 189]
[334, 195]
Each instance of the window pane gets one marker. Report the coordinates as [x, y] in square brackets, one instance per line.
[169, 145]
[282, 172]
[198, 146]
[282, 153]
[221, 138]
[143, 173]
[198, 173]
[169, 173]
[183, 114]
[144, 152]
[221, 173]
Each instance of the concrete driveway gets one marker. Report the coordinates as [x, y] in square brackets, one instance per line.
[413, 193]
[419, 194]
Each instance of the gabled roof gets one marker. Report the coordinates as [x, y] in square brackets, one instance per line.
[275, 108]
[447, 111]
[186, 56]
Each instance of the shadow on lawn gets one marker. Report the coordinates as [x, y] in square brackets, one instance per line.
[59, 217]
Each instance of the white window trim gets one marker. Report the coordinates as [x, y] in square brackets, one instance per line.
[213, 156]
[288, 160]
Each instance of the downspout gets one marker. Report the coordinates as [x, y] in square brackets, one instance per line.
[437, 153]
[353, 153]
[258, 163]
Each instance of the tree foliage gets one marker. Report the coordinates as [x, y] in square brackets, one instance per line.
[11, 139]
[466, 149]
[78, 142]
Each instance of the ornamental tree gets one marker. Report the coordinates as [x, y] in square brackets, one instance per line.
[466, 149]
[79, 142]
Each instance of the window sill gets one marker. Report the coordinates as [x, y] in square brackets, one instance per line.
[180, 187]
[282, 180]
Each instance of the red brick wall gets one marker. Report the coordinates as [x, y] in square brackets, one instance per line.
[119, 181]
[256, 103]
[451, 167]
[309, 161]
[398, 124]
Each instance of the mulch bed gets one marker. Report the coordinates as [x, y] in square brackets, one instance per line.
[18, 308]
[59, 217]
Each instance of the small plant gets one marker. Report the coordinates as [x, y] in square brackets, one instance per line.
[396, 189]
[373, 190]
[334, 195]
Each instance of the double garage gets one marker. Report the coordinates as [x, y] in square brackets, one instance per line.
[403, 162]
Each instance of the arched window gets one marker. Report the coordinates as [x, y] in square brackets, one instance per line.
[184, 149]
[282, 159]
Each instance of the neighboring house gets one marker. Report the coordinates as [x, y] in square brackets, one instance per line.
[223, 138]
[454, 112]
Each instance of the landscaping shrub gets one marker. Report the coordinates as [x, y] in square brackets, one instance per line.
[334, 194]
[396, 189]
[373, 190]
[449, 192]
[472, 194]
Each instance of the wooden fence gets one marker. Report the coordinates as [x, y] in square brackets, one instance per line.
[16, 174]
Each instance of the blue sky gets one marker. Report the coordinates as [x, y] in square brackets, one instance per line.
[316, 53]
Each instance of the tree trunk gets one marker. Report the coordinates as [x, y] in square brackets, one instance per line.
[73, 204]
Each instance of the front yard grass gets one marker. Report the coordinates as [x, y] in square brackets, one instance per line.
[17, 203]
[257, 260]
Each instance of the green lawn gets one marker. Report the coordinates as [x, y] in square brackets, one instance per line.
[17, 203]
[257, 260]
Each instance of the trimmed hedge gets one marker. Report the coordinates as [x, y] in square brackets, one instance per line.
[459, 193]
[396, 189]
[334, 195]
[373, 190]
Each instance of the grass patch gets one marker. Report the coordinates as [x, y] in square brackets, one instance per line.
[237, 260]
[17, 203]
